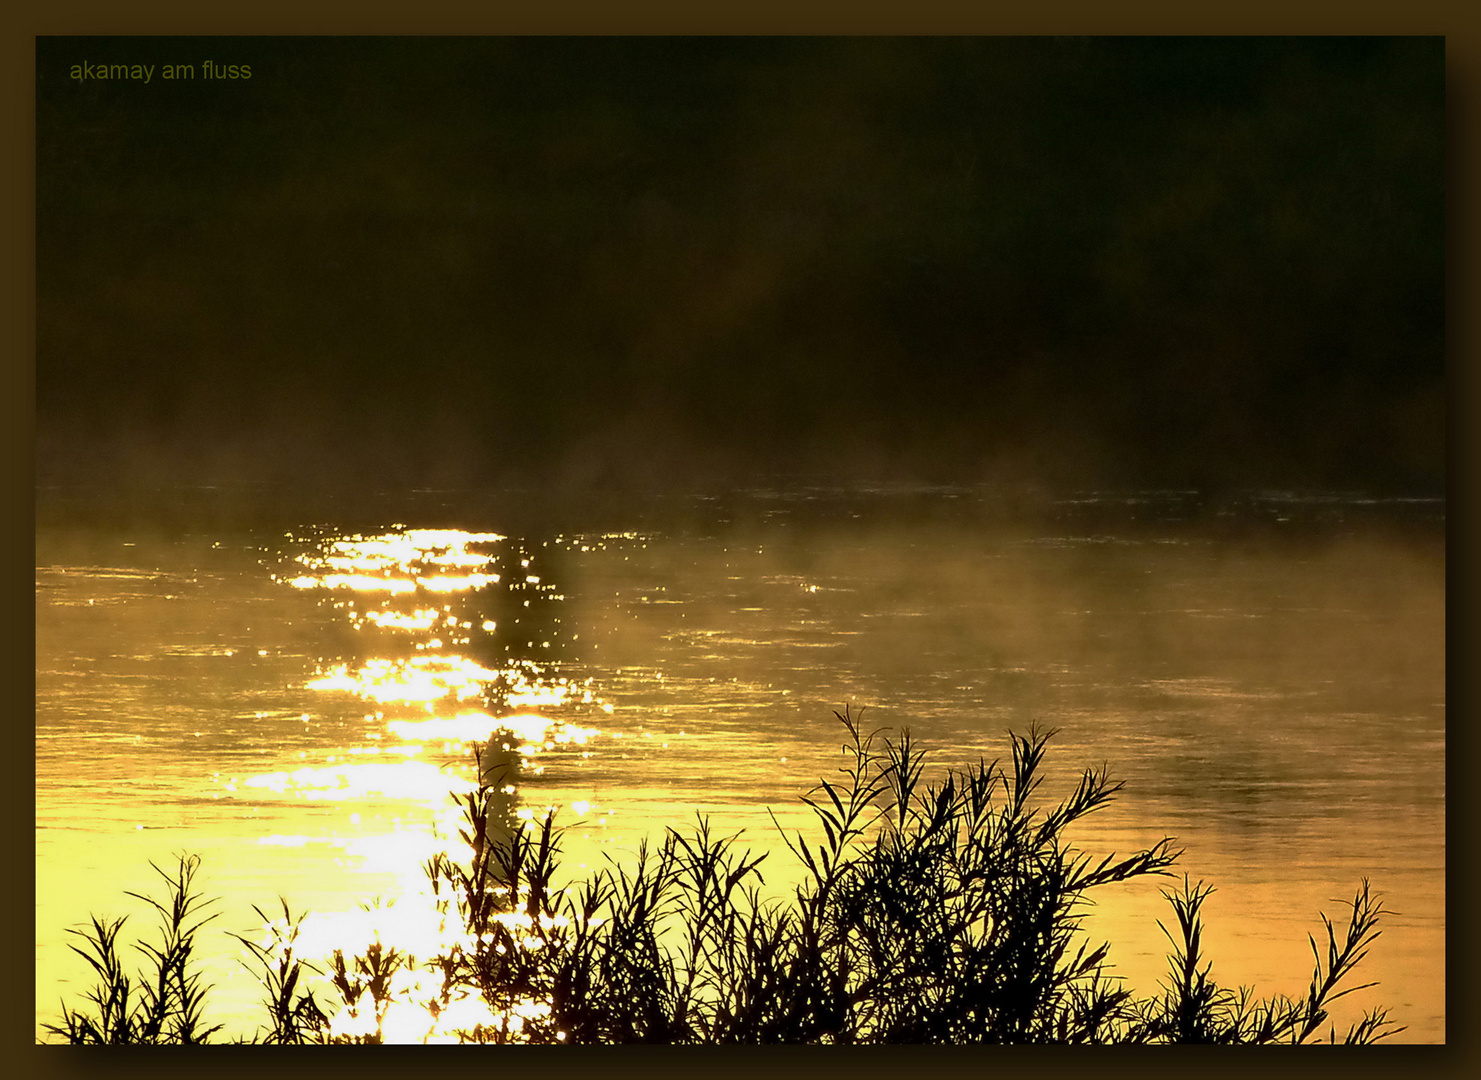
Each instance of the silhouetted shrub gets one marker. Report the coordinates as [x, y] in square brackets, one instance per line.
[927, 913]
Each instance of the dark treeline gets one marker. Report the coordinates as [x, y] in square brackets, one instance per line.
[616, 261]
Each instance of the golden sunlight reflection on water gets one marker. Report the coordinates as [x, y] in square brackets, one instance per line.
[423, 692]
[1279, 710]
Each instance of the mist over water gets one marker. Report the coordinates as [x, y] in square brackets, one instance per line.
[628, 404]
[292, 694]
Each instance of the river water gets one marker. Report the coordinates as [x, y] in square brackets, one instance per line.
[292, 696]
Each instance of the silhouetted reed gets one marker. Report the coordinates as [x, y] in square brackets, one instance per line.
[162, 1004]
[292, 1011]
[927, 913]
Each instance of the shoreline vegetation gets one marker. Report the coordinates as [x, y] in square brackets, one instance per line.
[927, 913]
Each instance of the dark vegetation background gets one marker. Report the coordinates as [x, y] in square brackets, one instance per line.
[618, 263]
